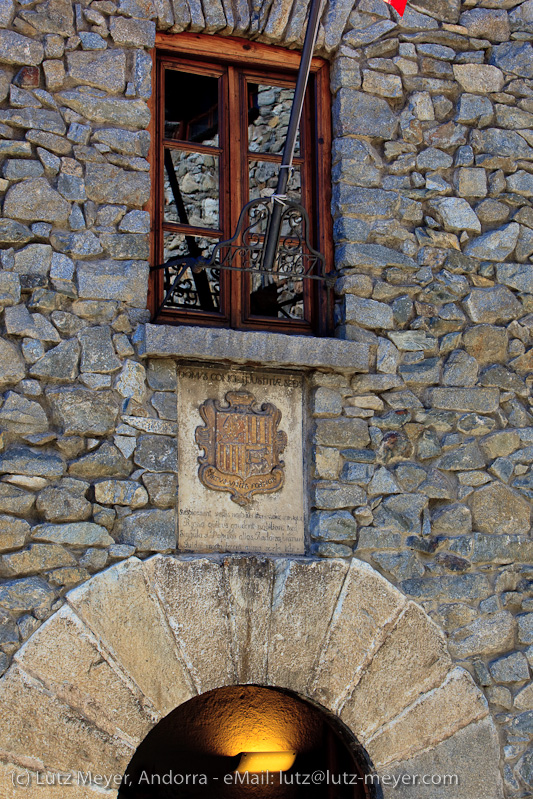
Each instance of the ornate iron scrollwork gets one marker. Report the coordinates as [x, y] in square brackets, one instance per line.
[296, 259]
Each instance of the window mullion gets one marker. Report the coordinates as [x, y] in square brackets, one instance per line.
[236, 150]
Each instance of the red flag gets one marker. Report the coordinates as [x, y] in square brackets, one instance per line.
[398, 5]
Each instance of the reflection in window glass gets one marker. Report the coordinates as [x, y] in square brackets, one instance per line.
[268, 118]
[196, 291]
[191, 107]
[264, 180]
[276, 296]
[191, 189]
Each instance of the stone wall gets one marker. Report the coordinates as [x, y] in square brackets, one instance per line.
[422, 454]
[433, 183]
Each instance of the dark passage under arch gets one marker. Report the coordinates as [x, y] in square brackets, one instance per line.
[197, 751]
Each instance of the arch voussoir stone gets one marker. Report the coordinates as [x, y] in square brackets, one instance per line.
[305, 595]
[65, 656]
[367, 608]
[36, 725]
[145, 637]
[250, 585]
[434, 717]
[194, 598]
[412, 660]
[469, 760]
[120, 609]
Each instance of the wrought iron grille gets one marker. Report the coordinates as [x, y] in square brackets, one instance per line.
[276, 289]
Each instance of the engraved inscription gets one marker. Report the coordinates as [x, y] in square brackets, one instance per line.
[242, 446]
[242, 530]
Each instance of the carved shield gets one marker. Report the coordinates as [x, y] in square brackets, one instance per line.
[242, 445]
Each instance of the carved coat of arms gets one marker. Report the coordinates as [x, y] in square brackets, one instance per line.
[242, 446]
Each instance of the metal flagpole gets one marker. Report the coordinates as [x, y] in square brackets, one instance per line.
[273, 232]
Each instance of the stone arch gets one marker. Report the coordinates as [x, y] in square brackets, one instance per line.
[142, 637]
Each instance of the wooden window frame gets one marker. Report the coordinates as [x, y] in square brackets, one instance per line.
[242, 58]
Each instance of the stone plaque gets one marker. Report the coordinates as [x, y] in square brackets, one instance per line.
[240, 460]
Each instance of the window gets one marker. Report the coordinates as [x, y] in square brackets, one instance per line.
[223, 107]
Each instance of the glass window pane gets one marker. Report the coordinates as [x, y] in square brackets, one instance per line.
[195, 291]
[191, 189]
[264, 179]
[269, 109]
[263, 182]
[191, 107]
[276, 296]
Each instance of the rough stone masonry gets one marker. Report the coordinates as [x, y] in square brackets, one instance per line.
[422, 453]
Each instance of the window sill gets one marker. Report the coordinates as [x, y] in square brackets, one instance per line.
[250, 347]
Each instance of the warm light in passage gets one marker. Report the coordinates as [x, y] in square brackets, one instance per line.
[266, 761]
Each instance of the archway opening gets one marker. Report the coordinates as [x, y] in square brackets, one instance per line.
[247, 741]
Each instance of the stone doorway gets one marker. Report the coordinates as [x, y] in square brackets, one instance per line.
[143, 637]
[247, 741]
